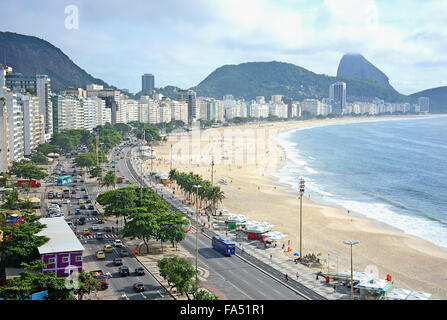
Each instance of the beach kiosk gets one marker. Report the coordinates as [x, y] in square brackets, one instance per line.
[257, 230]
[374, 289]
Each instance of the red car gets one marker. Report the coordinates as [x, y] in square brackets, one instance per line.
[139, 287]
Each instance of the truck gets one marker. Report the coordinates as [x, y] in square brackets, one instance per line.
[30, 183]
[119, 180]
[102, 278]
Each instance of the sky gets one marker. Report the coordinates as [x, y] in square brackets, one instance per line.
[182, 42]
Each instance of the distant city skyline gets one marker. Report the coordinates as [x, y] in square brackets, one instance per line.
[181, 44]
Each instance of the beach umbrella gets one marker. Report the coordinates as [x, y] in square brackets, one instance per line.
[296, 254]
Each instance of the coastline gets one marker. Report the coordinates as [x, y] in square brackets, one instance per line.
[255, 192]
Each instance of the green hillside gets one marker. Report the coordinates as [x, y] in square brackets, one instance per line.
[30, 55]
[248, 80]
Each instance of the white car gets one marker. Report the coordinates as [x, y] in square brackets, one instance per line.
[117, 243]
[95, 227]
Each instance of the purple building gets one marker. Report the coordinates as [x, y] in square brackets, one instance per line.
[63, 252]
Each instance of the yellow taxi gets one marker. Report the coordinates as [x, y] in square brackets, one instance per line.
[81, 201]
[100, 255]
[108, 248]
[86, 231]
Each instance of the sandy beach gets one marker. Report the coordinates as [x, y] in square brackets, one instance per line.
[412, 262]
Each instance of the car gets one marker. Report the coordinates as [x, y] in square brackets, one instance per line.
[82, 220]
[82, 189]
[107, 229]
[140, 271]
[80, 201]
[139, 287]
[86, 232]
[117, 243]
[99, 236]
[123, 271]
[78, 211]
[83, 207]
[88, 201]
[95, 227]
[124, 253]
[85, 196]
[100, 255]
[118, 262]
[73, 191]
[94, 213]
[108, 248]
[101, 221]
[91, 207]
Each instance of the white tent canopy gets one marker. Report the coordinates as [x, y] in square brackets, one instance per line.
[236, 218]
[275, 235]
[258, 227]
[418, 295]
[398, 294]
[357, 276]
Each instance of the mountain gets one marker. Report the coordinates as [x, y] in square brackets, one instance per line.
[438, 98]
[356, 66]
[251, 79]
[30, 55]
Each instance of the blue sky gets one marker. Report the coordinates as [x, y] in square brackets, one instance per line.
[181, 42]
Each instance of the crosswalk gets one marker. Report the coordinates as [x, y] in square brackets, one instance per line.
[93, 236]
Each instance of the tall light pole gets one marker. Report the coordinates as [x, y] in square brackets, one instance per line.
[171, 158]
[301, 216]
[197, 186]
[351, 243]
[212, 170]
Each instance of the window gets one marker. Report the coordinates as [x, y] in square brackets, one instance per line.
[51, 260]
[78, 258]
[64, 259]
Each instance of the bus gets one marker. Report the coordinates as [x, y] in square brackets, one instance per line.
[225, 247]
[63, 180]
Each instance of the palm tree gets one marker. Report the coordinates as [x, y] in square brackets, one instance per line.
[109, 180]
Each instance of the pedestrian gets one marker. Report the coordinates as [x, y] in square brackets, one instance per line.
[335, 288]
[287, 278]
[317, 276]
[271, 257]
[283, 245]
[297, 276]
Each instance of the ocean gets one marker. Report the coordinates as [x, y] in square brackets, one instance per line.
[393, 171]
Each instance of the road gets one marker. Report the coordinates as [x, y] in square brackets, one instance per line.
[232, 276]
[119, 287]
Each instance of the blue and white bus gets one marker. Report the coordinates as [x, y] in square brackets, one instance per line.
[225, 247]
[63, 180]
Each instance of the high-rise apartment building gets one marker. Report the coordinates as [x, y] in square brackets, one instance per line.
[337, 92]
[43, 90]
[189, 96]
[147, 83]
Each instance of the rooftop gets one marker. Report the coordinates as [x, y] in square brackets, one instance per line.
[62, 237]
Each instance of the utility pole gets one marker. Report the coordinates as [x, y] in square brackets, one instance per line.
[142, 169]
[351, 243]
[212, 171]
[197, 230]
[171, 158]
[301, 216]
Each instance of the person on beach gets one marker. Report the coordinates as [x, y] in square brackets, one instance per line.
[297, 276]
[287, 278]
[335, 288]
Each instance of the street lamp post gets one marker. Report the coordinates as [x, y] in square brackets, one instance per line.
[351, 243]
[212, 170]
[301, 216]
[197, 229]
